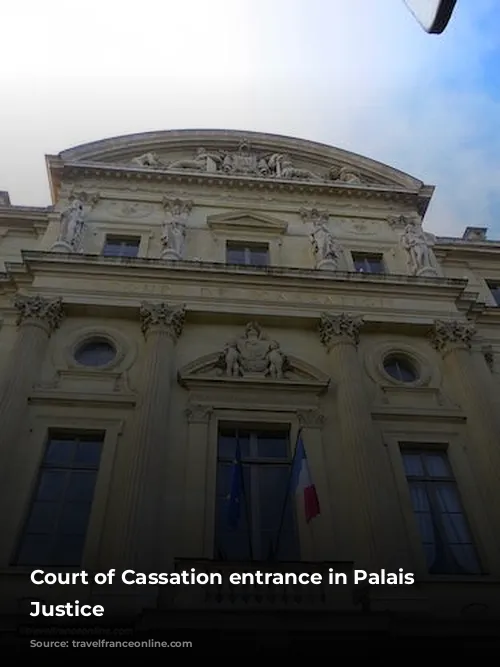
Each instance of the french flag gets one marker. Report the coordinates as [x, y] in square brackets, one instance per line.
[302, 484]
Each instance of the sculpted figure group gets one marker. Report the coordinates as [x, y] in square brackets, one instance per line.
[244, 161]
[253, 354]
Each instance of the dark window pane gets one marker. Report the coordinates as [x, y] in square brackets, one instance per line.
[43, 517]
[60, 452]
[74, 519]
[52, 485]
[35, 550]
[88, 453]
[81, 487]
[273, 444]
[235, 256]
[437, 465]
[413, 464]
[259, 257]
[95, 353]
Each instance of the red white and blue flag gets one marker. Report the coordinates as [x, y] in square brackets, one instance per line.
[301, 482]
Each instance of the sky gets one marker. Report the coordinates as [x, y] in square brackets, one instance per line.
[358, 74]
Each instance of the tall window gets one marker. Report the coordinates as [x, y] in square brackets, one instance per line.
[121, 246]
[445, 533]
[494, 288]
[266, 525]
[368, 263]
[55, 531]
[252, 254]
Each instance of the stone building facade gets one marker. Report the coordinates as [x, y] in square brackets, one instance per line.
[188, 290]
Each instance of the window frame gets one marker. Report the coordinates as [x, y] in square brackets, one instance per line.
[136, 239]
[247, 247]
[494, 290]
[430, 482]
[255, 463]
[32, 455]
[52, 435]
[357, 256]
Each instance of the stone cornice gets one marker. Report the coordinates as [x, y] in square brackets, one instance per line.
[22, 220]
[418, 198]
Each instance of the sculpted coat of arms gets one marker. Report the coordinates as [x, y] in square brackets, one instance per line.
[253, 354]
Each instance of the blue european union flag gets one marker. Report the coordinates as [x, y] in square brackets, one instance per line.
[235, 496]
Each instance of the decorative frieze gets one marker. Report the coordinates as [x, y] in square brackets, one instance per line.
[48, 312]
[311, 418]
[452, 333]
[169, 318]
[198, 414]
[333, 328]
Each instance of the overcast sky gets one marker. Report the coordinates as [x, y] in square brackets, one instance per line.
[358, 74]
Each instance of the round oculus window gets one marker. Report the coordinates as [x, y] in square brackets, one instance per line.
[400, 369]
[95, 353]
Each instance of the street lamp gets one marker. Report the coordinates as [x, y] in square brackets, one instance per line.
[433, 15]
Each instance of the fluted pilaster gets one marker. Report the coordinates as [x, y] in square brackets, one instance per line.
[473, 385]
[374, 527]
[37, 318]
[148, 438]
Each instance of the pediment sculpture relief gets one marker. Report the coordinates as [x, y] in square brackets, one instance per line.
[246, 162]
[253, 355]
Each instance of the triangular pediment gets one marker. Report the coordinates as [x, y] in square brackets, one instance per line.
[253, 358]
[250, 221]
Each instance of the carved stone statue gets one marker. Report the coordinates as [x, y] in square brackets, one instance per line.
[276, 361]
[71, 229]
[326, 248]
[420, 259]
[349, 175]
[253, 354]
[232, 359]
[282, 167]
[151, 160]
[173, 236]
[202, 161]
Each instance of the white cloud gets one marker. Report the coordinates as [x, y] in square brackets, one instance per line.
[359, 74]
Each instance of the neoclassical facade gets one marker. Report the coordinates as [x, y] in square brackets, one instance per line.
[191, 291]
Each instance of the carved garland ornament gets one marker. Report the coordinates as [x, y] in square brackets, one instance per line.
[334, 327]
[38, 309]
[452, 332]
[170, 318]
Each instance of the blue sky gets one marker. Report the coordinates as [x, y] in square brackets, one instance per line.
[358, 74]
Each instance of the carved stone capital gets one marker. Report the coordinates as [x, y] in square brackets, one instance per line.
[162, 316]
[311, 418]
[177, 208]
[337, 328]
[314, 215]
[37, 310]
[89, 199]
[452, 334]
[198, 414]
[400, 221]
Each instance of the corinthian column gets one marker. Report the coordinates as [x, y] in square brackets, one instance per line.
[147, 440]
[471, 379]
[372, 520]
[37, 318]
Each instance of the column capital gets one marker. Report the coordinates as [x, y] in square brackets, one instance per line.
[335, 328]
[198, 414]
[310, 418]
[452, 334]
[38, 310]
[162, 316]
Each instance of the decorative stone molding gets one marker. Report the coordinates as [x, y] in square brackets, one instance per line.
[161, 315]
[311, 418]
[198, 414]
[452, 333]
[489, 356]
[335, 328]
[48, 312]
[173, 236]
[314, 215]
[400, 221]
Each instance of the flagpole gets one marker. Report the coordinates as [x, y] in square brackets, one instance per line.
[247, 514]
[283, 511]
